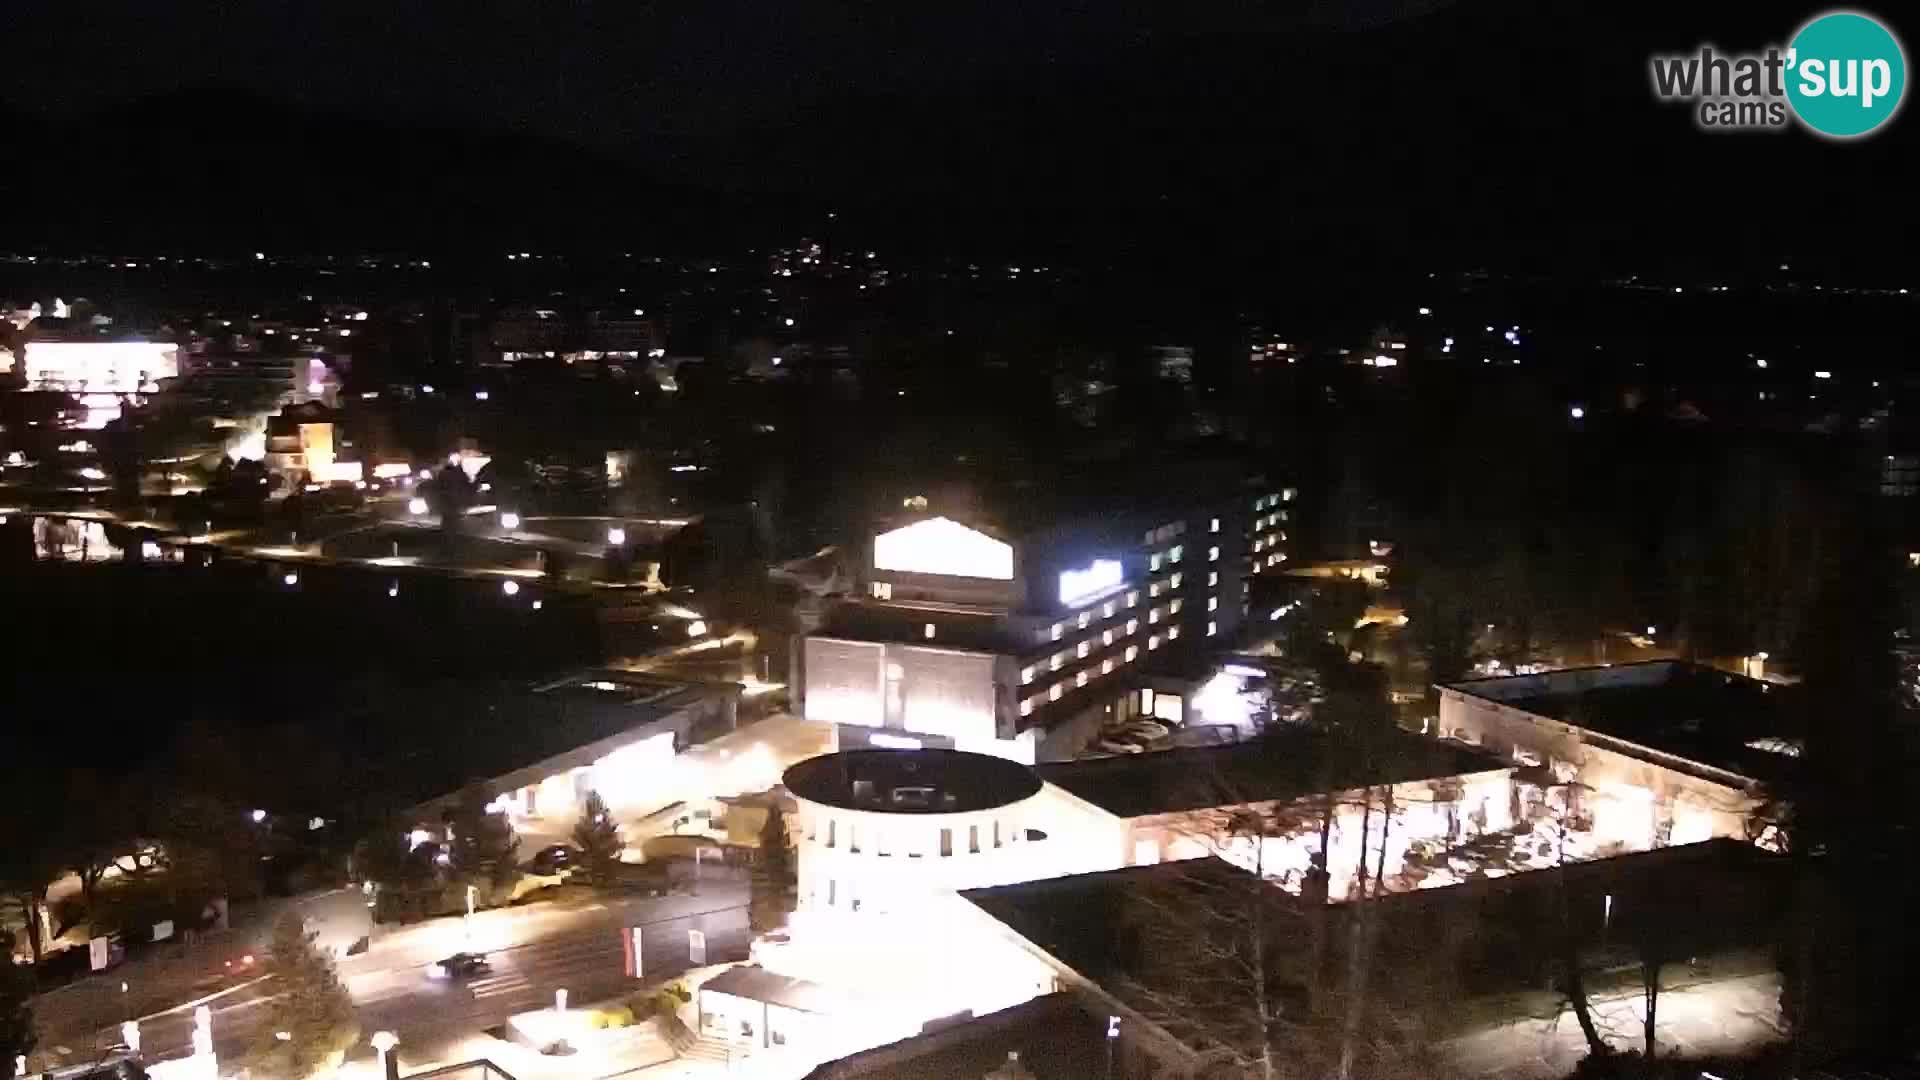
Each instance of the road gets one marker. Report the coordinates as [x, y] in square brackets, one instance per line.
[1721, 1017]
[533, 950]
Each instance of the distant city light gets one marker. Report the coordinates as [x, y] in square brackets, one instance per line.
[536, 605]
[616, 536]
[416, 505]
[1761, 363]
[1577, 413]
[259, 816]
[511, 588]
[291, 578]
[1426, 311]
[1652, 630]
[393, 589]
[1823, 374]
[789, 320]
[426, 388]
[509, 520]
[479, 395]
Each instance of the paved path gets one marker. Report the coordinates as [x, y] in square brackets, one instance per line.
[1725, 1016]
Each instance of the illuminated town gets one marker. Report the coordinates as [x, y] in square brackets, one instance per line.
[821, 545]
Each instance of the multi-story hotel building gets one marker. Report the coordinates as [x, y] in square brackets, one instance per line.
[1023, 640]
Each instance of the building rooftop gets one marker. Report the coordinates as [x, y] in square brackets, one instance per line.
[758, 984]
[1286, 765]
[1055, 1036]
[1701, 714]
[954, 626]
[911, 781]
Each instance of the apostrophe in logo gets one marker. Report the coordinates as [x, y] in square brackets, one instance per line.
[1846, 74]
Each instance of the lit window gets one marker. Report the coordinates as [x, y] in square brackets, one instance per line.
[1260, 504]
[1213, 603]
[1054, 691]
[1272, 559]
[1058, 629]
[1133, 598]
[1107, 610]
[1174, 582]
[1026, 675]
[1153, 589]
[1153, 561]
[1080, 679]
[1256, 545]
[1176, 553]
[1084, 619]
[929, 631]
[1212, 628]
[1132, 625]
[1172, 632]
[1153, 642]
[1054, 661]
[1288, 494]
[1106, 637]
[1283, 515]
[882, 590]
[1174, 608]
[1153, 616]
[1213, 554]
[1080, 650]
[1026, 707]
[1213, 578]
[1132, 651]
[1214, 525]
[1106, 666]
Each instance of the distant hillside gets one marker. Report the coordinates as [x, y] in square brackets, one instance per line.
[221, 167]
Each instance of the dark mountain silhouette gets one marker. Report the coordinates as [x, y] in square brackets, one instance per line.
[214, 166]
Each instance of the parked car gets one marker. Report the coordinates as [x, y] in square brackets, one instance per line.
[554, 858]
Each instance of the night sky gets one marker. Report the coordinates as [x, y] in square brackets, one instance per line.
[1441, 130]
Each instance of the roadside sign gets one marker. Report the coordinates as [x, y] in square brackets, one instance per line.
[99, 954]
[630, 946]
[696, 947]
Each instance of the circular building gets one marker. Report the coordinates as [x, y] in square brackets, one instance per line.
[879, 830]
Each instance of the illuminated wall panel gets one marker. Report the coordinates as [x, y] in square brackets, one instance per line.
[843, 681]
[942, 546]
[108, 367]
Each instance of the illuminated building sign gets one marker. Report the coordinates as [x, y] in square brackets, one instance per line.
[1097, 578]
[941, 546]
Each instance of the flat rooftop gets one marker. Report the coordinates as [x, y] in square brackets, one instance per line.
[925, 781]
[1055, 1036]
[1281, 766]
[1698, 713]
[954, 627]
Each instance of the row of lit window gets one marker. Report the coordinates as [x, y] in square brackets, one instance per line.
[1082, 649]
[1107, 667]
[1268, 501]
[1171, 555]
[1107, 611]
[1270, 520]
[1267, 542]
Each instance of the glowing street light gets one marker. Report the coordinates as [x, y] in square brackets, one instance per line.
[1577, 412]
[290, 579]
[509, 520]
[511, 588]
[259, 816]
[560, 1000]
[616, 536]
[416, 506]
[384, 1042]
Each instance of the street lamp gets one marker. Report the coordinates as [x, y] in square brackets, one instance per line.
[511, 588]
[616, 536]
[509, 520]
[416, 506]
[384, 1042]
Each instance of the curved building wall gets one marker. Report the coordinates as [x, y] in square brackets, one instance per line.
[874, 861]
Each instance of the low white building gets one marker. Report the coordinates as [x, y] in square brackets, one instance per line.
[1661, 753]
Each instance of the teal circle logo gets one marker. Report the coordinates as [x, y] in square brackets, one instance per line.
[1846, 74]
